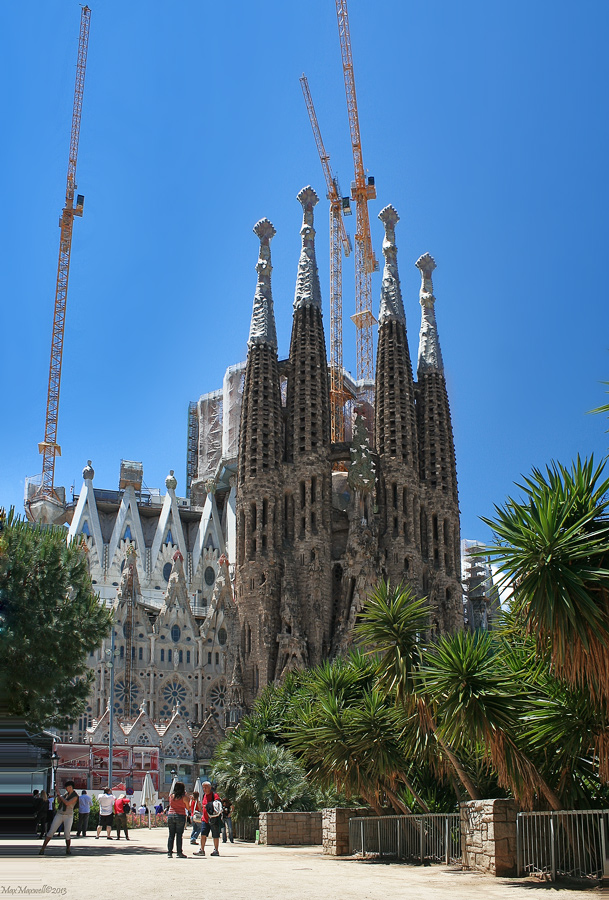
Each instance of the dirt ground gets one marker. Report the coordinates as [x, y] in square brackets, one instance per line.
[100, 870]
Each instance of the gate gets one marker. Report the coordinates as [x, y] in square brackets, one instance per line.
[433, 837]
[566, 843]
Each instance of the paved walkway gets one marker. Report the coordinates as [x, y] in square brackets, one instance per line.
[100, 869]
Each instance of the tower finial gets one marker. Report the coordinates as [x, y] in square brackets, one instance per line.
[392, 306]
[430, 355]
[308, 292]
[262, 328]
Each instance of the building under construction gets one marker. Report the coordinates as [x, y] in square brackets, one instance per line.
[304, 486]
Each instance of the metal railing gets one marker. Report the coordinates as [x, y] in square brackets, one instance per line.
[563, 844]
[245, 829]
[434, 837]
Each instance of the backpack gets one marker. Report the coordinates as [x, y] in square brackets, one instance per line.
[213, 808]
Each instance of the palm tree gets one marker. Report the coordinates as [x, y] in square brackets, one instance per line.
[477, 701]
[392, 625]
[262, 777]
[349, 736]
[552, 547]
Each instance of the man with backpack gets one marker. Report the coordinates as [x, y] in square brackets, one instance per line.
[121, 808]
[211, 807]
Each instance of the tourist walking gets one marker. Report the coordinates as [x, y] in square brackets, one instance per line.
[227, 820]
[121, 808]
[84, 810]
[63, 816]
[195, 817]
[106, 813]
[212, 816]
[176, 819]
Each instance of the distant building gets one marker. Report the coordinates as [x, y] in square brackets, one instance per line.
[481, 601]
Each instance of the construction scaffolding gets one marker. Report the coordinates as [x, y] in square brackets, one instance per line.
[192, 446]
[481, 602]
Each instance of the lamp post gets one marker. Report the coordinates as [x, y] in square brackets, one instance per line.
[111, 654]
[54, 767]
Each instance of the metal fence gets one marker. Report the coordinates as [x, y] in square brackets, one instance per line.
[245, 829]
[433, 837]
[563, 844]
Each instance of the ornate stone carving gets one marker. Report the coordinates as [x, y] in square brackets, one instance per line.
[392, 306]
[430, 355]
[308, 292]
[262, 328]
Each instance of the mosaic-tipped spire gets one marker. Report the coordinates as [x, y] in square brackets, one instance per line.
[308, 292]
[262, 328]
[391, 306]
[430, 355]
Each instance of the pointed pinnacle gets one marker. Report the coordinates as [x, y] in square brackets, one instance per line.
[262, 328]
[308, 292]
[391, 306]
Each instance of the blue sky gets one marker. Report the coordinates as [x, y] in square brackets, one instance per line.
[484, 124]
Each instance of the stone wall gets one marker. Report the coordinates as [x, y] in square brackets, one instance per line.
[488, 835]
[289, 828]
[335, 829]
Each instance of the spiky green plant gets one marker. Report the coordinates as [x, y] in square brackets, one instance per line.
[552, 546]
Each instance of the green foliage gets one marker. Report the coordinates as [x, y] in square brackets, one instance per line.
[391, 624]
[50, 619]
[260, 776]
[552, 547]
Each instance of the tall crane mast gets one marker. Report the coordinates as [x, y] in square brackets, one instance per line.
[49, 447]
[339, 242]
[362, 190]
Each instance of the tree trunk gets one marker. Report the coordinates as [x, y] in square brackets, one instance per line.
[460, 772]
[396, 800]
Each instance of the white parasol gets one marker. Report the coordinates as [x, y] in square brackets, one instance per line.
[148, 794]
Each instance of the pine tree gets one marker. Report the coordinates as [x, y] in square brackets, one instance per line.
[50, 620]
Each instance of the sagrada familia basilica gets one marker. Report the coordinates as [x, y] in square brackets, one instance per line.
[266, 562]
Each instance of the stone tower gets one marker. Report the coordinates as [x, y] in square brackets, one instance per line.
[439, 518]
[306, 615]
[319, 524]
[396, 426]
[260, 490]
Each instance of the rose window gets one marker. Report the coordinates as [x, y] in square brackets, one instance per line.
[217, 695]
[172, 693]
[122, 695]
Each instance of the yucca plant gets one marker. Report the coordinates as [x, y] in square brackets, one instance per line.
[392, 626]
[552, 547]
[476, 699]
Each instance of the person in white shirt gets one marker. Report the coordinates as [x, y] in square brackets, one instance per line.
[106, 813]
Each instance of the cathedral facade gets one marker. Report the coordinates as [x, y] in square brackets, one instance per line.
[266, 563]
[318, 524]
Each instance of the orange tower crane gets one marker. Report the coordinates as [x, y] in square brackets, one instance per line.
[339, 241]
[49, 447]
[362, 190]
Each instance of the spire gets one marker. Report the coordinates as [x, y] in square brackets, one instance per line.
[430, 355]
[262, 328]
[391, 306]
[308, 292]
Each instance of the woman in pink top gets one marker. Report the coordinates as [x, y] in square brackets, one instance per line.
[176, 819]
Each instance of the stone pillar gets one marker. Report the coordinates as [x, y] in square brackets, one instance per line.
[290, 828]
[488, 836]
[335, 829]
